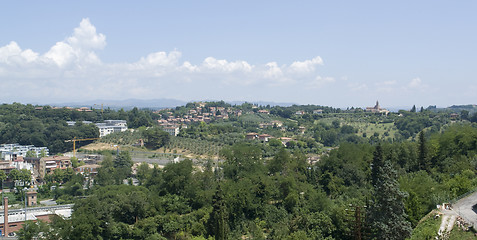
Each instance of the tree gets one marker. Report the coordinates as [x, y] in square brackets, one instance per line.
[241, 160]
[106, 172]
[386, 212]
[464, 115]
[218, 218]
[279, 161]
[156, 138]
[75, 162]
[413, 109]
[423, 158]
[143, 172]
[33, 230]
[122, 166]
[42, 153]
[21, 175]
[30, 154]
[3, 176]
[177, 177]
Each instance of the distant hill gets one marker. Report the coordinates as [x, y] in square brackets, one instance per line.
[263, 103]
[472, 108]
[125, 104]
[150, 103]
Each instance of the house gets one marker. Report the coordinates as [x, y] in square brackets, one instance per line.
[172, 130]
[285, 140]
[89, 169]
[299, 112]
[49, 164]
[20, 163]
[84, 109]
[317, 111]
[264, 137]
[263, 111]
[301, 129]
[6, 167]
[265, 125]
[277, 123]
[251, 136]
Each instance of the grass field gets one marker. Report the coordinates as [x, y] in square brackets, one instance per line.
[385, 130]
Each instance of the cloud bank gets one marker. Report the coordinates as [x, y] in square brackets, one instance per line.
[72, 70]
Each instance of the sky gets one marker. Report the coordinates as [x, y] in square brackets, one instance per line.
[331, 53]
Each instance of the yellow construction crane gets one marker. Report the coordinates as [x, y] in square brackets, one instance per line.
[74, 140]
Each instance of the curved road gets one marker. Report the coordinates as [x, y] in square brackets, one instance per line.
[463, 208]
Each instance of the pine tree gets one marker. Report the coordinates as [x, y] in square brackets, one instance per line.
[386, 212]
[413, 109]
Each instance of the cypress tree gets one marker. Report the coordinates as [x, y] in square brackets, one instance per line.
[218, 221]
[386, 212]
[423, 153]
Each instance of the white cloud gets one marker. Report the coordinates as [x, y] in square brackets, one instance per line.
[192, 68]
[61, 54]
[415, 83]
[161, 59]
[71, 69]
[306, 66]
[12, 53]
[272, 71]
[320, 81]
[224, 65]
[79, 48]
[86, 38]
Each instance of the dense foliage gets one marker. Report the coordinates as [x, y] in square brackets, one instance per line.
[282, 197]
[47, 127]
[393, 169]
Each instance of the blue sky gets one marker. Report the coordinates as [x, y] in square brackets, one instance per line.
[334, 53]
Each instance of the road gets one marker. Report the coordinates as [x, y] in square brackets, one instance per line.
[463, 208]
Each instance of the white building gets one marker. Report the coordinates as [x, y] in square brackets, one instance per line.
[72, 123]
[172, 130]
[12, 151]
[110, 126]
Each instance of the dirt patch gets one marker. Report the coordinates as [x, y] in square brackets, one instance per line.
[107, 146]
[99, 146]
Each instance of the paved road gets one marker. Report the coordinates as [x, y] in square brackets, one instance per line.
[463, 207]
[48, 202]
[152, 160]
